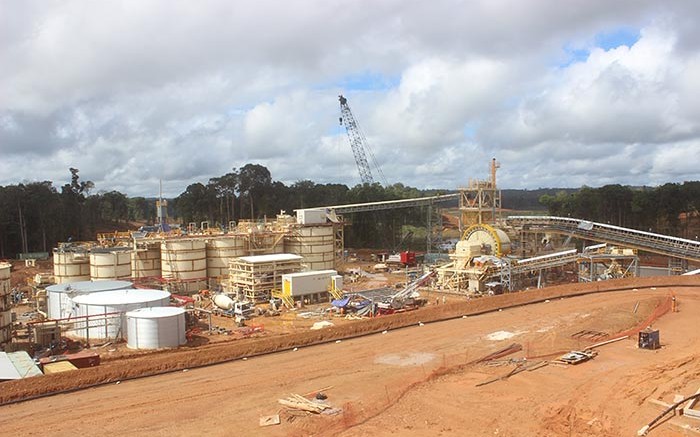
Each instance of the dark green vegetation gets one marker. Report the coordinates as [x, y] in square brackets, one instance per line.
[668, 209]
[35, 216]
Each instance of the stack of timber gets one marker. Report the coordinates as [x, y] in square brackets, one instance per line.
[298, 402]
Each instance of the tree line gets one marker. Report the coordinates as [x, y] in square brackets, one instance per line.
[667, 209]
[250, 193]
[35, 216]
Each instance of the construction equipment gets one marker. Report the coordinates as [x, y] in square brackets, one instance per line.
[358, 142]
[577, 357]
[407, 296]
[239, 310]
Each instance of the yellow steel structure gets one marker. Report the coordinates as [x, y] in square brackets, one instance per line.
[487, 235]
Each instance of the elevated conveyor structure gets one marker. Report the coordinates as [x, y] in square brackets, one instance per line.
[434, 238]
[647, 241]
[386, 204]
[548, 261]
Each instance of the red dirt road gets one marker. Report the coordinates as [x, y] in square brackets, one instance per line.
[415, 381]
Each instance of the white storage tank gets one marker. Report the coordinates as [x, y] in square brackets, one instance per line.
[5, 302]
[110, 265]
[221, 251]
[59, 297]
[145, 262]
[70, 266]
[155, 328]
[315, 243]
[114, 304]
[185, 260]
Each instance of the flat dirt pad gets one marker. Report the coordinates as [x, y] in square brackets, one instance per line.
[409, 394]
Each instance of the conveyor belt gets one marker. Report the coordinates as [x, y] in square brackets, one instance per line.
[386, 204]
[544, 261]
[647, 241]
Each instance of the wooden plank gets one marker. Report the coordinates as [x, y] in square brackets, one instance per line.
[58, 367]
[602, 343]
[659, 403]
[688, 408]
[270, 420]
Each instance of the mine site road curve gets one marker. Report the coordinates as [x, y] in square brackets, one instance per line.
[219, 353]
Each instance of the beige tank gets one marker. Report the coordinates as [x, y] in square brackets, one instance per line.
[220, 252]
[185, 260]
[145, 263]
[110, 265]
[315, 243]
[5, 302]
[70, 267]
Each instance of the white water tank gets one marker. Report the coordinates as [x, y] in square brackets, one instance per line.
[155, 328]
[59, 296]
[113, 304]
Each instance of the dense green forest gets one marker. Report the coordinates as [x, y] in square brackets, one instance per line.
[35, 216]
[657, 209]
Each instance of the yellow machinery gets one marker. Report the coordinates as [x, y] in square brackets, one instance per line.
[476, 259]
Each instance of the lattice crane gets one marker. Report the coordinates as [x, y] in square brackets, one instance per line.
[358, 142]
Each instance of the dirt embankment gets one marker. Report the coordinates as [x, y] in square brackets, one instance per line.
[183, 358]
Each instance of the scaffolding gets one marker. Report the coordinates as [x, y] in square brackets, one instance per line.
[480, 201]
[599, 262]
[254, 277]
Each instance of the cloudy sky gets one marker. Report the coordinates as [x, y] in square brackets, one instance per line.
[562, 93]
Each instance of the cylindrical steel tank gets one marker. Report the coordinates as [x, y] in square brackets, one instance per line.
[185, 260]
[70, 266]
[145, 263]
[315, 243]
[113, 305]
[110, 265]
[60, 296]
[5, 303]
[220, 252]
[155, 328]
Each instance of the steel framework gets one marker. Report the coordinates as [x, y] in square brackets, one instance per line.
[657, 243]
[359, 145]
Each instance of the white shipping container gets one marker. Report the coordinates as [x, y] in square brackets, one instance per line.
[305, 283]
[337, 281]
[311, 216]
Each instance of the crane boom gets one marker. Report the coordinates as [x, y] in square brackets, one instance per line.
[358, 142]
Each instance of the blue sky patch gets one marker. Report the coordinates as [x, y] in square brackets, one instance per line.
[367, 81]
[573, 56]
[622, 36]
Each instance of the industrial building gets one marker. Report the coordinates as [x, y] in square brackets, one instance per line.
[200, 258]
[254, 277]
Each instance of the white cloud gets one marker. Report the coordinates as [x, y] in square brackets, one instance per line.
[134, 91]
